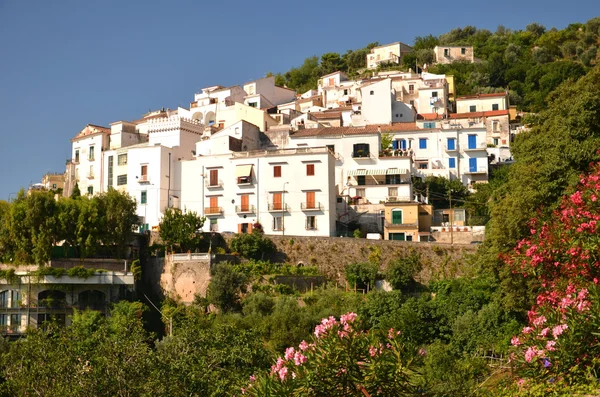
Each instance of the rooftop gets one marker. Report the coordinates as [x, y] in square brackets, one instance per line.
[488, 113]
[90, 130]
[341, 131]
[479, 96]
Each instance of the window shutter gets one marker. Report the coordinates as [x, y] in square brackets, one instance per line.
[249, 227]
[239, 228]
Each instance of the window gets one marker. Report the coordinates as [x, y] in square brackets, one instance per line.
[360, 193]
[495, 126]
[144, 173]
[451, 143]
[213, 178]
[446, 52]
[392, 191]
[122, 159]
[331, 148]
[90, 190]
[253, 104]
[277, 171]
[15, 298]
[472, 142]
[214, 205]
[472, 165]
[361, 150]
[472, 108]
[397, 216]
[393, 179]
[331, 82]
[91, 173]
[144, 197]
[277, 201]
[345, 92]
[494, 106]
[361, 180]
[411, 89]
[91, 154]
[310, 200]
[434, 94]
[459, 215]
[403, 144]
[277, 223]
[214, 226]
[422, 165]
[311, 223]
[496, 141]
[463, 51]
[452, 162]
[4, 299]
[122, 180]
[110, 171]
[77, 156]
[54, 186]
[429, 125]
[372, 93]
[310, 169]
[422, 143]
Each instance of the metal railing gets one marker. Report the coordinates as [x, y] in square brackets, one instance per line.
[277, 207]
[311, 206]
[392, 225]
[356, 155]
[397, 199]
[245, 209]
[213, 211]
[213, 184]
[143, 179]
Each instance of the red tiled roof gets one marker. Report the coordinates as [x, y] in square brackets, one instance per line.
[477, 96]
[488, 113]
[429, 116]
[369, 129]
[326, 115]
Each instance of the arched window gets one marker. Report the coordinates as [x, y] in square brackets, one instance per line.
[52, 299]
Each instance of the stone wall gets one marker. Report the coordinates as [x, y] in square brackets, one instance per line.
[177, 279]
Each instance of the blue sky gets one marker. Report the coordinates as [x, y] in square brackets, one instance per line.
[67, 63]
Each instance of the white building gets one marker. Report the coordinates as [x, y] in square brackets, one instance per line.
[389, 53]
[86, 160]
[263, 93]
[288, 191]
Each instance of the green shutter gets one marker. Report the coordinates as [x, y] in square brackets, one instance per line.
[397, 217]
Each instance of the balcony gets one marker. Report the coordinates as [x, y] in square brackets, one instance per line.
[213, 211]
[395, 154]
[397, 199]
[213, 184]
[245, 209]
[244, 180]
[375, 182]
[277, 207]
[143, 179]
[391, 225]
[311, 206]
[451, 148]
[361, 155]
[476, 170]
[90, 175]
[477, 147]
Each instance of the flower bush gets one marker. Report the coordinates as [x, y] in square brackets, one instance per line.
[342, 360]
[562, 256]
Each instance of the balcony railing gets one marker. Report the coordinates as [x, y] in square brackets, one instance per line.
[479, 146]
[361, 155]
[451, 148]
[311, 206]
[143, 179]
[90, 175]
[213, 211]
[375, 182]
[397, 199]
[245, 209]
[477, 170]
[391, 225]
[395, 154]
[213, 184]
[275, 207]
[244, 180]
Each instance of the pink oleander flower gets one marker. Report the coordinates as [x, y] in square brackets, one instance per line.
[544, 333]
[558, 330]
[539, 321]
[342, 334]
[550, 345]
[515, 341]
[372, 351]
[303, 345]
[583, 306]
[252, 378]
[527, 330]
[422, 352]
[530, 353]
[348, 318]
[390, 334]
[282, 373]
[289, 353]
[521, 382]
[299, 358]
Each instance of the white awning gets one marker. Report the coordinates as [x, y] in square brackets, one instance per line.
[396, 171]
[376, 172]
[243, 170]
[357, 172]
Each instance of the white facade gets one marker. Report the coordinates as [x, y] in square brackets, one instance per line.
[288, 191]
[379, 105]
[482, 103]
[86, 156]
[387, 53]
[269, 91]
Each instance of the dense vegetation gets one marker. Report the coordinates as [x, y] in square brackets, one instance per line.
[523, 321]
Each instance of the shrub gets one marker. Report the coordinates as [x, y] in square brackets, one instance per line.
[253, 245]
[361, 275]
[226, 287]
[400, 272]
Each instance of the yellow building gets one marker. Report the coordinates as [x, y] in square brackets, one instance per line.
[407, 221]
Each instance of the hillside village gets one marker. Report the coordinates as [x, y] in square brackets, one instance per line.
[305, 164]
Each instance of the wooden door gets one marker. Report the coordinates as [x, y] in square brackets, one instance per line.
[214, 178]
[214, 205]
[310, 200]
[277, 205]
[245, 202]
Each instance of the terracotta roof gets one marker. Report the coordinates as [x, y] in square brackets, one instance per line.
[429, 116]
[90, 130]
[477, 96]
[326, 115]
[369, 129]
[489, 113]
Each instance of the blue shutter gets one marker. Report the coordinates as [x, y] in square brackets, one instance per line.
[472, 165]
[452, 162]
[451, 144]
[395, 144]
[403, 144]
[472, 141]
[422, 143]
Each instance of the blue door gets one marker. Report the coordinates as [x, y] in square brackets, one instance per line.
[451, 145]
[472, 141]
[472, 165]
[395, 144]
[403, 144]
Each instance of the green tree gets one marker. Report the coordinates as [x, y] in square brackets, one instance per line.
[120, 219]
[76, 193]
[361, 275]
[253, 245]
[401, 272]
[226, 288]
[181, 229]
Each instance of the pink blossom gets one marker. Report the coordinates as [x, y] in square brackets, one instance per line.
[252, 378]
[282, 373]
[348, 318]
[303, 345]
[372, 351]
[550, 345]
[583, 305]
[558, 330]
[545, 332]
[299, 358]
[243, 391]
[515, 341]
[390, 333]
[521, 382]
[342, 334]
[539, 321]
[293, 375]
[527, 330]
[289, 353]
[422, 352]
[530, 353]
